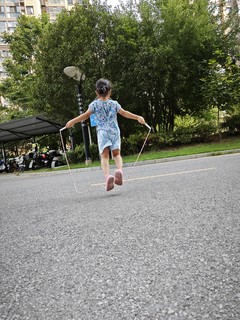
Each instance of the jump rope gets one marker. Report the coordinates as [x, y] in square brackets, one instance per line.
[69, 169]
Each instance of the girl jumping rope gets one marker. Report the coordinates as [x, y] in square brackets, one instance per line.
[108, 132]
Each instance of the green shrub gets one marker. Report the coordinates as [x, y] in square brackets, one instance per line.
[155, 141]
[94, 152]
[76, 155]
[62, 159]
[198, 131]
[232, 123]
[203, 131]
[129, 145]
[72, 156]
[80, 151]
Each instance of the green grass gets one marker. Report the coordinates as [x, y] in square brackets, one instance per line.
[215, 147]
[225, 144]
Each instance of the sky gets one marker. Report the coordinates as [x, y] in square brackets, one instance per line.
[113, 2]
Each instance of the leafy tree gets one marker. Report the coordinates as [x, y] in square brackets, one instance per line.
[17, 87]
[222, 85]
[7, 114]
[102, 43]
[73, 40]
[177, 40]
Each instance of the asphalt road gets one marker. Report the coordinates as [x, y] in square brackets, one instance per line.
[165, 245]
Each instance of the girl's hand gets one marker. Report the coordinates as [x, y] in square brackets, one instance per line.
[141, 120]
[69, 124]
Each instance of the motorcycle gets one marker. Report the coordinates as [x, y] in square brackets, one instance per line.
[2, 166]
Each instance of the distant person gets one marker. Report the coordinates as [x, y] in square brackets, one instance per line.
[108, 132]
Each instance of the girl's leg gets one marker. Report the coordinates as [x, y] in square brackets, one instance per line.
[118, 176]
[105, 168]
[105, 161]
[118, 159]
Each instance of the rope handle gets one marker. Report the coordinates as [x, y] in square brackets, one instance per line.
[148, 126]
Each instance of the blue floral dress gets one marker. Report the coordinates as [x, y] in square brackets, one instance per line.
[108, 132]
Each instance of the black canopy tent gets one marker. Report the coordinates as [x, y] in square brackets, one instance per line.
[26, 128]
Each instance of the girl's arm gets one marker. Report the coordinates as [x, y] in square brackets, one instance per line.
[130, 115]
[82, 117]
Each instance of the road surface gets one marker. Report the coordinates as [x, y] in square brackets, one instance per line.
[165, 245]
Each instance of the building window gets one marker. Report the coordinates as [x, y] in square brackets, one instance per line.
[54, 10]
[12, 23]
[228, 10]
[56, 2]
[11, 26]
[70, 2]
[29, 10]
[12, 9]
[2, 26]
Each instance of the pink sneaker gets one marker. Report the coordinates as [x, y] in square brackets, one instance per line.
[109, 183]
[118, 177]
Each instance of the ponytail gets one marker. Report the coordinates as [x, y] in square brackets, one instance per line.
[103, 86]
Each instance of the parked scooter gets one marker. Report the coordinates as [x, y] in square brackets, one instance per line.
[20, 161]
[51, 159]
[8, 167]
[2, 166]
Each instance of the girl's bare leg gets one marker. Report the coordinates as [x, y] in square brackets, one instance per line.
[118, 159]
[105, 168]
[105, 162]
[118, 176]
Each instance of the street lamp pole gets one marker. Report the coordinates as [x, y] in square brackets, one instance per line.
[84, 125]
[76, 74]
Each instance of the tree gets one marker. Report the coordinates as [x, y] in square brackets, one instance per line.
[20, 67]
[75, 39]
[177, 40]
[222, 85]
[101, 42]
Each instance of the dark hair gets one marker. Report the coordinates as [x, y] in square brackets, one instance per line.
[103, 86]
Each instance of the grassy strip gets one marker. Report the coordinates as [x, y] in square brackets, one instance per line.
[226, 144]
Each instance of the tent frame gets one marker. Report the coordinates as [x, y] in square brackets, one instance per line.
[26, 128]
